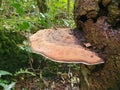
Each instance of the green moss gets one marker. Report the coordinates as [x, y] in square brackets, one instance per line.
[11, 56]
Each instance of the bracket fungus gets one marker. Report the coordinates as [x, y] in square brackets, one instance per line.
[63, 46]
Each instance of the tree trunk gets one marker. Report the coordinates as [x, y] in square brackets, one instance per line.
[100, 22]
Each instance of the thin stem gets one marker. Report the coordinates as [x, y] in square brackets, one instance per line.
[80, 76]
[68, 7]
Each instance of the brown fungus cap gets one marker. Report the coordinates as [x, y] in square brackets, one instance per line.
[62, 46]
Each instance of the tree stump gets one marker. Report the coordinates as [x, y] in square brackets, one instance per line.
[100, 22]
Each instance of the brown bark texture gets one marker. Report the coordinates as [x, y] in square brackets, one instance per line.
[100, 22]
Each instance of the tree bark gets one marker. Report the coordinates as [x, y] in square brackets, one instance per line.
[100, 22]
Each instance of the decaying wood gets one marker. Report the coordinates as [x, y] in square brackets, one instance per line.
[100, 21]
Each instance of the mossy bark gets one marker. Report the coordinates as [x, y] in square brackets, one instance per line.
[100, 21]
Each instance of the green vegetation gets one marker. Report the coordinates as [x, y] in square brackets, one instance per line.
[19, 19]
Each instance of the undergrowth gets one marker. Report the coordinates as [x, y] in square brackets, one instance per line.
[18, 20]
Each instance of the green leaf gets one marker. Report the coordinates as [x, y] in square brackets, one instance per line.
[20, 11]
[42, 15]
[4, 73]
[66, 23]
[16, 5]
[8, 87]
[24, 25]
[24, 72]
[18, 8]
